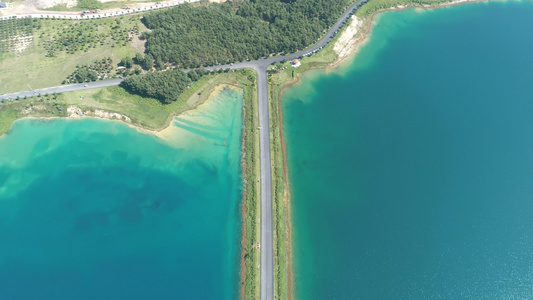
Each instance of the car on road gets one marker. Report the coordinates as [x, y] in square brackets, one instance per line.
[85, 85]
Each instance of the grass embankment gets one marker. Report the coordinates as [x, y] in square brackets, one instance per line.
[251, 209]
[33, 68]
[144, 112]
[280, 77]
[280, 214]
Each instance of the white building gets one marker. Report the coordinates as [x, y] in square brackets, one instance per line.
[295, 63]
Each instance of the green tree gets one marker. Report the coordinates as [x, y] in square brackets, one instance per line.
[159, 64]
[126, 62]
[139, 59]
[81, 75]
[92, 75]
[148, 62]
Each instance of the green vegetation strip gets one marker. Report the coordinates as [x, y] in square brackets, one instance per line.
[252, 198]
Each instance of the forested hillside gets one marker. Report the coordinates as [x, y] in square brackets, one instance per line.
[191, 36]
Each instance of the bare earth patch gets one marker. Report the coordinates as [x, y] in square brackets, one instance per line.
[349, 39]
[35, 6]
[31, 109]
[137, 43]
[76, 113]
[20, 42]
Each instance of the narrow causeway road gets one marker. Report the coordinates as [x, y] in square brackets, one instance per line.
[267, 257]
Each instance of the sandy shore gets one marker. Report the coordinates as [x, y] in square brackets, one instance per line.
[358, 31]
[167, 132]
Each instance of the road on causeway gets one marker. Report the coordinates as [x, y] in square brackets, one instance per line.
[260, 66]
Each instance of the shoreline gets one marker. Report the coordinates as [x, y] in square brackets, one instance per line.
[286, 203]
[359, 39]
[159, 132]
[362, 36]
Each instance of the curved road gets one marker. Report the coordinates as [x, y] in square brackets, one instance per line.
[260, 66]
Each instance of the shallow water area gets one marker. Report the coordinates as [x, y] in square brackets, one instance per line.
[411, 167]
[93, 209]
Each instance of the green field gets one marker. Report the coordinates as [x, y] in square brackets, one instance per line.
[58, 46]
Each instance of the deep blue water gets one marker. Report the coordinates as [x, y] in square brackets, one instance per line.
[411, 167]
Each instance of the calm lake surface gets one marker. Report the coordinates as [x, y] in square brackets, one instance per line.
[93, 209]
[411, 167]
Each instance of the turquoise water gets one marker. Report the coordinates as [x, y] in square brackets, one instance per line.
[93, 209]
[411, 167]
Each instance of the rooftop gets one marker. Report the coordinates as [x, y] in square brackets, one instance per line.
[295, 63]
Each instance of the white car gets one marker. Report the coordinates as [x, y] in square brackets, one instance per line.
[86, 85]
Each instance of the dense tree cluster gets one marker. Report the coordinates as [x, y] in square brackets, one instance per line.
[192, 36]
[100, 69]
[166, 86]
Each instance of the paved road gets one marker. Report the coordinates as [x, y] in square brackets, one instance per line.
[62, 88]
[267, 257]
[260, 66]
